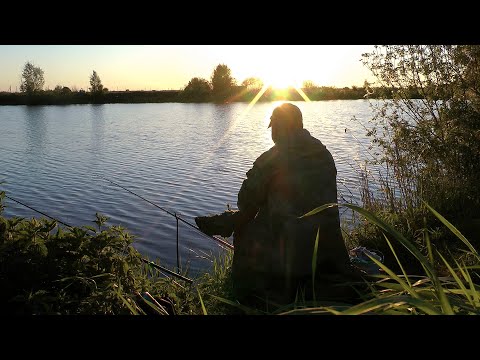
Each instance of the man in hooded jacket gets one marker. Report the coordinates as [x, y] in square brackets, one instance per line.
[274, 256]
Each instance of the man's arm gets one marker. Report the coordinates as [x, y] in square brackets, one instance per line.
[248, 201]
[252, 194]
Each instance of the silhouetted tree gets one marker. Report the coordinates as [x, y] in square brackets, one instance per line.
[96, 86]
[252, 83]
[32, 79]
[222, 83]
[309, 84]
[197, 90]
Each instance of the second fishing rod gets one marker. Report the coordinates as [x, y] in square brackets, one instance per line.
[217, 239]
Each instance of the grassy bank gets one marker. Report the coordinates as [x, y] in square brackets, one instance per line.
[47, 269]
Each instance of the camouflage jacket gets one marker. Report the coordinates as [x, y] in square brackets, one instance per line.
[290, 179]
[286, 182]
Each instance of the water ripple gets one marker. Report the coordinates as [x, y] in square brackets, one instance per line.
[189, 159]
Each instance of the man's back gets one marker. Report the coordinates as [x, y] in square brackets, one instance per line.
[287, 181]
[303, 176]
[274, 247]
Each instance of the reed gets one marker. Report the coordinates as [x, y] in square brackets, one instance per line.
[390, 293]
[432, 294]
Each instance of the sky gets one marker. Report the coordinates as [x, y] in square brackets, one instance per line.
[170, 67]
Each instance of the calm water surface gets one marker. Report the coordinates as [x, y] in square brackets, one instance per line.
[190, 159]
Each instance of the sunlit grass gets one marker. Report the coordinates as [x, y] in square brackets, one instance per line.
[74, 271]
[390, 293]
[410, 294]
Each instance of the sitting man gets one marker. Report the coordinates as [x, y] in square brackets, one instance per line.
[273, 243]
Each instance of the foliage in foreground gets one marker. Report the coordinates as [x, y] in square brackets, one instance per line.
[447, 288]
[456, 292]
[45, 269]
[429, 146]
[425, 148]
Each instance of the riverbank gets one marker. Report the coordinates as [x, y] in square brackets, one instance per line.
[82, 97]
[95, 271]
[239, 94]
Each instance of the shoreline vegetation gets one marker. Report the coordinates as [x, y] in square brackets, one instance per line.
[52, 270]
[65, 96]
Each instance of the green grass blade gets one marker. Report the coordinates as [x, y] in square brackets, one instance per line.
[394, 276]
[246, 309]
[320, 310]
[459, 291]
[452, 228]
[462, 269]
[466, 275]
[204, 310]
[384, 226]
[319, 209]
[127, 304]
[457, 279]
[391, 301]
[314, 262]
[426, 293]
[427, 241]
[476, 294]
[390, 286]
[445, 304]
[397, 259]
[372, 289]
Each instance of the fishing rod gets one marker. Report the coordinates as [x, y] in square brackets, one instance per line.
[223, 242]
[38, 211]
[71, 227]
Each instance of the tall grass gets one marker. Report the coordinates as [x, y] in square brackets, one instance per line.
[50, 270]
[391, 293]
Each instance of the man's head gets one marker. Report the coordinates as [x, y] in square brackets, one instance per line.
[286, 119]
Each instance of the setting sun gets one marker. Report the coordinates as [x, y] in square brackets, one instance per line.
[279, 79]
[279, 68]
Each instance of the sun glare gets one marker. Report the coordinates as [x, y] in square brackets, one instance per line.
[281, 68]
[280, 80]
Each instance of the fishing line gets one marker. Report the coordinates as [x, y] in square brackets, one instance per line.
[31, 208]
[170, 213]
[224, 243]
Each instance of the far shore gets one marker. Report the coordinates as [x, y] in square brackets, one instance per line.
[239, 94]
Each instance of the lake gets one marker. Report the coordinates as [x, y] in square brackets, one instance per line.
[189, 159]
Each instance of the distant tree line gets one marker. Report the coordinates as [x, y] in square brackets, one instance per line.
[220, 88]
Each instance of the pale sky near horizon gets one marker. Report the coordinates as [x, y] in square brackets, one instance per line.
[165, 67]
